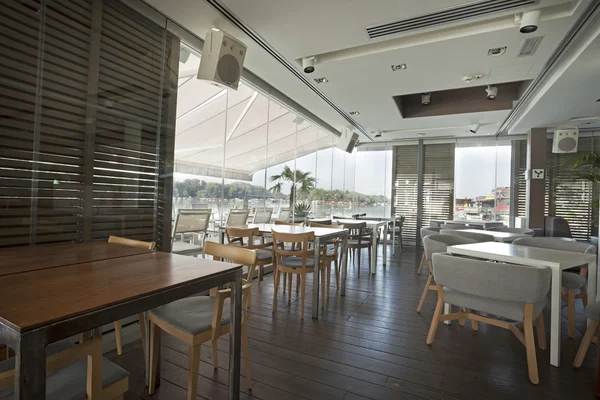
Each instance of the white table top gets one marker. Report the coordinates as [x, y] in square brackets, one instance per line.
[370, 223]
[498, 236]
[474, 223]
[319, 232]
[524, 255]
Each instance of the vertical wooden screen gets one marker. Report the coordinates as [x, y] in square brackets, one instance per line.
[86, 123]
[438, 182]
[405, 189]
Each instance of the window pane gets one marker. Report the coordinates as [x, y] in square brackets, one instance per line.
[373, 190]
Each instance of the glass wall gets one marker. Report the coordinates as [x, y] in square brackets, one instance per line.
[482, 181]
[373, 189]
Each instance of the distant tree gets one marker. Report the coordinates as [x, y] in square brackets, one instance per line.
[300, 182]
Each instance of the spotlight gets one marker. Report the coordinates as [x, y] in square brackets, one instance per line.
[308, 65]
[426, 98]
[530, 21]
[492, 92]
[377, 134]
[474, 128]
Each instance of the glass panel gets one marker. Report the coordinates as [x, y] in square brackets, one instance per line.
[306, 171]
[338, 207]
[322, 195]
[373, 189]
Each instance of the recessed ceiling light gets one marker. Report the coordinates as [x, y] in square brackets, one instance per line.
[398, 67]
[420, 134]
[321, 80]
[498, 51]
[354, 113]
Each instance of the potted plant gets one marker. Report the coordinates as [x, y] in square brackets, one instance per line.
[589, 169]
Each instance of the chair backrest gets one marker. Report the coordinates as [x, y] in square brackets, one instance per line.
[131, 242]
[298, 245]
[429, 230]
[319, 225]
[522, 231]
[200, 206]
[263, 216]
[556, 244]
[289, 223]
[486, 279]
[478, 237]
[237, 217]
[188, 221]
[440, 243]
[452, 226]
[284, 215]
[238, 234]
[557, 227]
[358, 231]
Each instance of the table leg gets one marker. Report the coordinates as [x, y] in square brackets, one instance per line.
[393, 237]
[447, 310]
[316, 275]
[235, 340]
[344, 264]
[30, 367]
[592, 282]
[147, 352]
[385, 227]
[372, 264]
[555, 317]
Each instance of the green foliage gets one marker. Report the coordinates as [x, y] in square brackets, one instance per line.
[588, 166]
[302, 209]
[301, 182]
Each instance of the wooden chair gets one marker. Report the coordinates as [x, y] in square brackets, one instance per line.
[513, 292]
[190, 224]
[572, 280]
[75, 372]
[141, 319]
[359, 237]
[198, 319]
[294, 259]
[437, 244]
[592, 312]
[264, 249]
[331, 255]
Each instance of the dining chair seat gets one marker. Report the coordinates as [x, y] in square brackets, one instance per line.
[193, 314]
[363, 244]
[571, 280]
[184, 247]
[512, 310]
[263, 255]
[51, 349]
[592, 311]
[296, 262]
[69, 383]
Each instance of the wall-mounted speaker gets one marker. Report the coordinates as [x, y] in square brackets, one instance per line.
[565, 140]
[347, 140]
[222, 59]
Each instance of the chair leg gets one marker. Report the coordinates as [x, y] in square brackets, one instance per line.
[425, 290]
[322, 287]
[215, 353]
[277, 273]
[142, 322]
[462, 320]
[302, 294]
[585, 343]
[119, 337]
[421, 264]
[289, 288]
[541, 332]
[154, 350]
[246, 356]
[474, 323]
[358, 262]
[337, 272]
[328, 273]
[436, 316]
[530, 345]
[298, 285]
[260, 274]
[369, 252]
[584, 295]
[571, 312]
[194, 365]
[284, 281]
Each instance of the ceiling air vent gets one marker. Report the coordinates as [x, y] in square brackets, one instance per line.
[446, 16]
[529, 46]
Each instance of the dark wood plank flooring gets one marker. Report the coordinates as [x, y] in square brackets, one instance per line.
[369, 344]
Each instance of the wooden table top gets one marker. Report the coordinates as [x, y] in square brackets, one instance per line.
[24, 259]
[38, 298]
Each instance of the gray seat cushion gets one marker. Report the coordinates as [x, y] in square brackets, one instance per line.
[184, 247]
[592, 311]
[572, 281]
[363, 243]
[512, 310]
[296, 262]
[69, 383]
[264, 255]
[192, 315]
[52, 348]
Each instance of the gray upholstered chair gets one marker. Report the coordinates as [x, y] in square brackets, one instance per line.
[478, 237]
[572, 281]
[557, 227]
[192, 225]
[592, 312]
[453, 226]
[426, 231]
[522, 231]
[513, 292]
[237, 218]
[437, 244]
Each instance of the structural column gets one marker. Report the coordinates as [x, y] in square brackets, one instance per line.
[536, 188]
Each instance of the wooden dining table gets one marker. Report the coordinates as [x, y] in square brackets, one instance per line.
[52, 293]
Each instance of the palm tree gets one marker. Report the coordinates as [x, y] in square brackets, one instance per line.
[300, 181]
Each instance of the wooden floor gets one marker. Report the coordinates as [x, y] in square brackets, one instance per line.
[369, 344]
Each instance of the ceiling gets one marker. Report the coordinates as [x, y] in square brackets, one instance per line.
[358, 70]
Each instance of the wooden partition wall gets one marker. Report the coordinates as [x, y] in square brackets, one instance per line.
[87, 123]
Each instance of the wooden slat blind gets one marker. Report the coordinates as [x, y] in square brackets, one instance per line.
[406, 190]
[438, 182]
[85, 122]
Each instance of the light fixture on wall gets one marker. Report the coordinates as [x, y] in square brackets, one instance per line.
[308, 64]
[529, 21]
[426, 98]
[398, 67]
[321, 80]
[492, 92]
